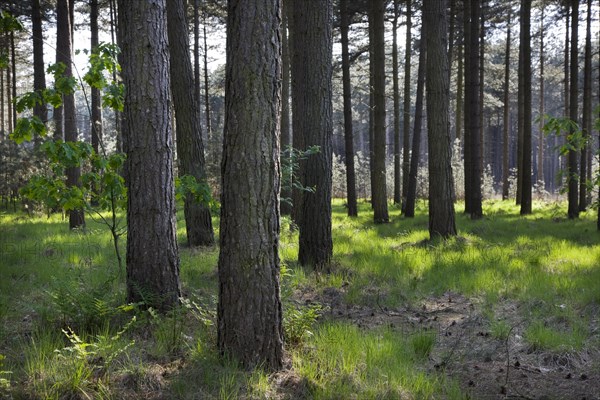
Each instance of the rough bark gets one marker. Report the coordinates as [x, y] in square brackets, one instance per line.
[312, 120]
[190, 149]
[39, 73]
[573, 155]
[348, 131]
[196, 17]
[411, 195]
[249, 310]
[540, 156]
[406, 112]
[441, 206]
[64, 55]
[506, 112]
[525, 88]
[152, 251]
[379, 190]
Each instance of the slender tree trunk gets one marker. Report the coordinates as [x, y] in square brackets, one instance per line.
[441, 206]
[206, 83]
[39, 73]
[348, 131]
[525, 60]
[379, 195]
[190, 149]
[506, 113]
[96, 98]
[113, 40]
[411, 195]
[13, 66]
[587, 110]
[481, 86]
[2, 127]
[249, 310]
[312, 111]
[573, 155]
[286, 132]
[473, 199]
[540, 164]
[406, 113]
[197, 97]
[152, 252]
[9, 97]
[396, 95]
[460, 102]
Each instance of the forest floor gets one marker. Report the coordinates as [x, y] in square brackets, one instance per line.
[510, 309]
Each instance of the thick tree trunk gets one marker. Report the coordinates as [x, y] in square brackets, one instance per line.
[379, 195]
[348, 131]
[525, 60]
[441, 206]
[249, 311]
[573, 155]
[190, 149]
[411, 195]
[39, 72]
[540, 157]
[506, 113]
[587, 110]
[152, 252]
[406, 112]
[312, 105]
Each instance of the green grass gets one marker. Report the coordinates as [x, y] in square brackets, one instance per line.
[52, 279]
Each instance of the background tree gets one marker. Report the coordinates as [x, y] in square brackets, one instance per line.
[190, 149]
[406, 112]
[249, 310]
[95, 92]
[572, 156]
[152, 252]
[312, 121]
[379, 190]
[441, 203]
[525, 107]
[587, 111]
[39, 73]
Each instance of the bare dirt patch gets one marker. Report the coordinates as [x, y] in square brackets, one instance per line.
[486, 366]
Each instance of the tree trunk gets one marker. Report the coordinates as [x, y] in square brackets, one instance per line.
[64, 43]
[286, 133]
[197, 97]
[206, 83]
[312, 106]
[9, 97]
[441, 206]
[152, 252]
[411, 195]
[39, 72]
[572, 156]
[13, 66]
[348, 131]
[525, 88]
[406, 113]
[379, 190]
[472, 151]
[460, 102]
[587, 109]
[249, 310]
[481, 86]
[118, 114]
[506, 112]
[190, 149]
[540, 158]
[396, 95]
[96, 98]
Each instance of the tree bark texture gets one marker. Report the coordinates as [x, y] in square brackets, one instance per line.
[379, 189]
[573, 155]
[411, 195]
[396, 98]
[312, 120]
[441, 205]
[249, 310]
[540, 156]
[152, 252]
[347, 94]
[190, 149]
[525, 88]
[506, 113]
[286, 131]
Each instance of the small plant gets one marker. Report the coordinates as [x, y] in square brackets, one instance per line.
[290, 163]
[298, 322]
[4, 382]
[500, 330]
[422, 343]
